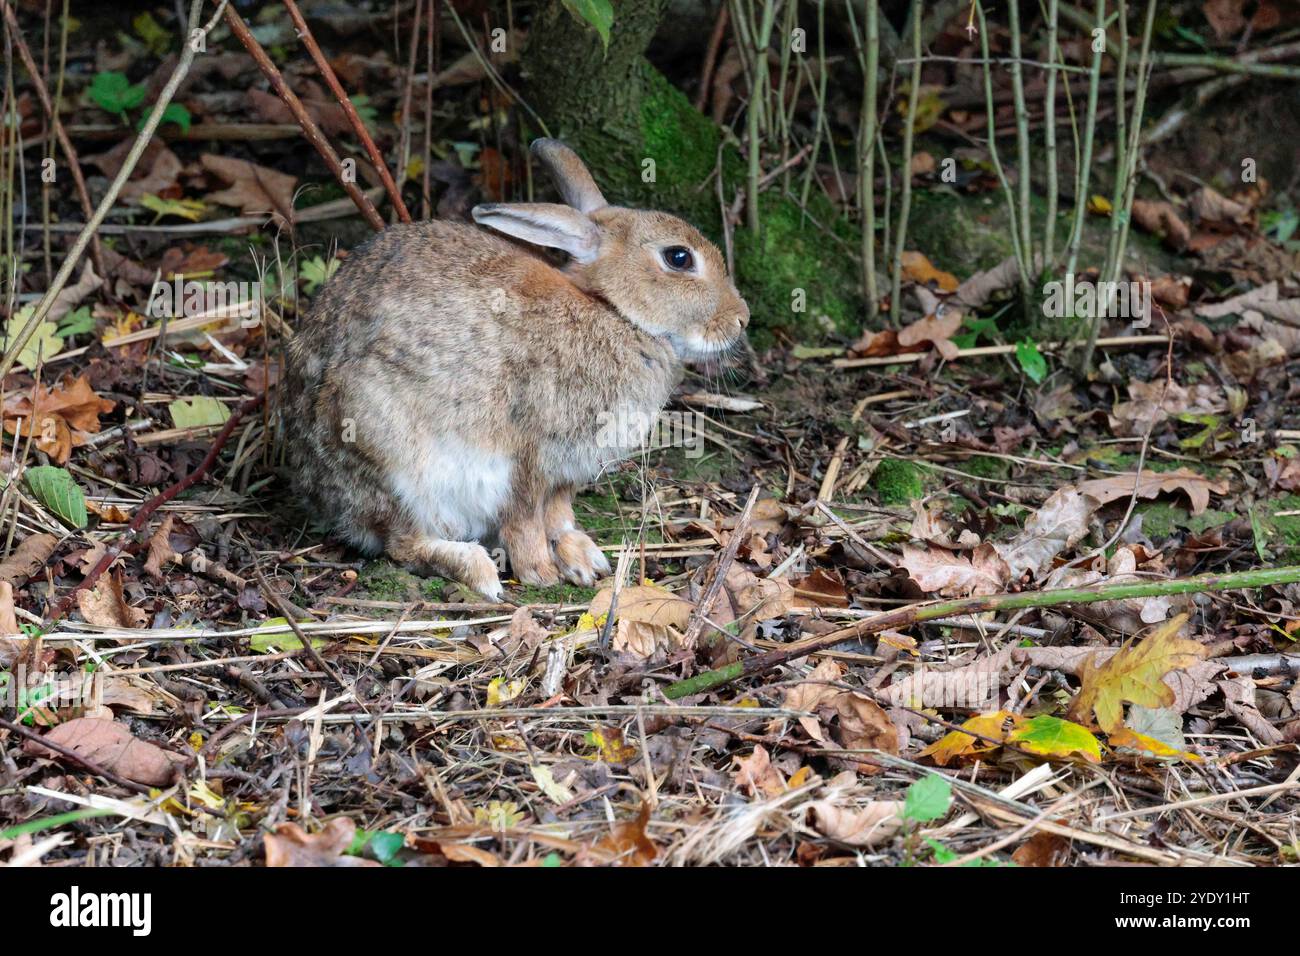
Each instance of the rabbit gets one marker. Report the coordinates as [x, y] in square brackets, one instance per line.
[451, 388]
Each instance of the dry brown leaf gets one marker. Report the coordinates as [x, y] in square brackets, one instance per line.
[465, 853]
[28, 558]
[867, 825]
[105, 605]
[1162, 218]
[1239, 698]
[863, 724]
[59, 418]
[629, 843]
[254, 190]
[1152, 483]
[934, 329]
[111, 746]
[648, 619]
[291, 845]
[755, 775]
[1209, 204]
[1061, 523]
[810, 694]
[955, 575]
[1042, 849]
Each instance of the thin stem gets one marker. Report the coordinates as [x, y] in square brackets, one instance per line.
[1025, 225]
[905, 172]
[1084, 168]
[1049, 100]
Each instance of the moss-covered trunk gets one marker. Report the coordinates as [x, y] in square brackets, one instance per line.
[647, 145]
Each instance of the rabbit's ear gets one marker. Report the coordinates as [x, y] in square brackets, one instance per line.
[543, 224]
[569, 174]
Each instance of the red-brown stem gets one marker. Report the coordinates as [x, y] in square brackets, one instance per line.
[309, 127]
[153, 504]
[74, 163]
[358, 127]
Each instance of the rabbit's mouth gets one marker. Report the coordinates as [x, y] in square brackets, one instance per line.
[696, 348]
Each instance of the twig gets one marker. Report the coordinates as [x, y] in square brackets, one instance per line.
[358, 127]
[705, 604]
[916, 613]
[18, 343]
[308, 125]
[152, 505]
[1116, 341]
[74, 163]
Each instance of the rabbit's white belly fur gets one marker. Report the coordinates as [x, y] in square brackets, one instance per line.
[451, 489]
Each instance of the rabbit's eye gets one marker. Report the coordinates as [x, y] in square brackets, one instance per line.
[678, 258]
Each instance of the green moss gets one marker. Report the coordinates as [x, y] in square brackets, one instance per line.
[1206, 520]
[1281, 532]
[557, 594]
[986, 466]
[792, 264]
[1160, 519]
[898, 482]
[382, 580]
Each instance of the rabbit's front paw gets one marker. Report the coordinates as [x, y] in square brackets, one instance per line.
[580, 560]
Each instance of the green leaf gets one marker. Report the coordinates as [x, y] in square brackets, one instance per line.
[1031, 360]
[55, 488]
[114, 93]
[599, 14]
[158, 40]
[278, 640]
[927, 799]
[49, 823]
[198, 412]
[76, 322]
[1054, 737]
[385, 846]
[172, 113]
[45, 342]
[191, 209]
[316, 271]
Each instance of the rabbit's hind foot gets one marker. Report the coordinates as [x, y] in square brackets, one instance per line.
[530, 556]
[463, 561]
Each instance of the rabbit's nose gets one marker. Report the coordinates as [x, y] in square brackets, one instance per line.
[742, 315]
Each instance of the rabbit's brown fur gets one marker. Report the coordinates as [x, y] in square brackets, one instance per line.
[450, 387]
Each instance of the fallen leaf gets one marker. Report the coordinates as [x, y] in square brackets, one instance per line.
[755, 775]
[254, 190]
[291, 845]
[1061, 523]
[1152, 483]
[105, 605]
[917, 268]
[958, 744]
[867, 825]
[936, 330]
[810, 694]
[111, 746]
[59, 418]
[1134, 674]
[955, 575]
[629, 843]
[1052, 737]
[1042, 849]
[648, 618]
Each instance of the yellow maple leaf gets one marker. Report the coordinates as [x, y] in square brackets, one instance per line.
[1050, 736]
[957, 744]
[1135, 673]
[1147, 746]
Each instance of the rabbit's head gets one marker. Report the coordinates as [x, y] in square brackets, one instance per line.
[656, 270]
